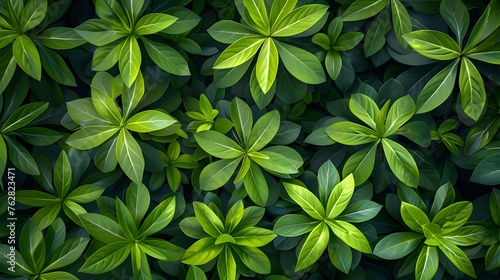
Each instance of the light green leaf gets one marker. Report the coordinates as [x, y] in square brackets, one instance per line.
[349, 133]
[208, 219]
[102, 228]
[148, 121]
[364, 108]
[195, 273]
[101, 99]
[60, 38]
[83, 112]
[159, 218]
[253, 237]
[218, 144]
[27, 56]
[303, 65]
[253, 258]
[401, 163]
[361, 164]
[98, 32]
[258, 14]
[33, 14]
[351, 235]
[132, 8]
[91, 136]
[487, 24]
[292, 225]
[239, 52]
[267, 65]
[363, 9]
[340, 254]
[457, 257]
[472, 92]
[130, 157]
[333, 64]
[256, 185]
[275, 162]
[413, 217]
[6, 37]
[85, 193]
[202, 251]
[226, 265]
[306, 200]
[62, 175]
[454, 216]
[24, 115]
[107, 56]
[153, 23]
[107, 258]
[20, 157]
[401, 21]
[340, 197]
[427, 263]
[299, 20]
[130, 60]
[397, 245]
[217, 173]
[466, 235]
[399, 113]
[314, 246]
[280, 9]
[433, 44]
[166, 57]
[227, 31]
[161, 249]
[438, 89]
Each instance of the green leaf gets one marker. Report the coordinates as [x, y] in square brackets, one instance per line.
[103, 102]
[107, 258]
[60, 38]
[340, 254]
[106, 56]
[226, 265]
[322, 40]
[487, 24]
[192, 228]
[347, 41]
[253, 258]
[132, 96]
[279, 10]
[427, 263]
[33, 14]
[218, 144]
[239, 52]
[267, 65]
[27, 56]
[35, 198]
[241, 115]
[314, 246]
[6, 37]
[256, 185]
[438, 89]
[397, 245]
[481, 134]
[413, 217]
[466, 235]
[62, 175]
[202, 251]
[83, 112]
[91, 136]
[66, 254]
[85, 193]
[253, 237]
[360, 211]
[159, 218]
[401, 163]
[433, 44]
[102, 228]
[258, 14]
[303, 65]
[166, 57]
[361, 164]
[457, 257]
[444, 196]
[217, 173]
[351, 235]
[292, 225]
[98, 32]
[364, 108]
[340, 197]
[137, 200]
[56, 275]
[263, 131]
[487, 171]
[333, 64]
[227, 31]
[349, 133]
[33, 249]
[8, 67]
[46, 215]
[492, 258]
[456, 15]
[23, 115]
[401, 21]
[132, 8]
[208, 219]
[472, 92]
[21, 158]
[195, 273]
[130, 60]
[233, 217]
[454, 216]
[375, 35]
[130, 156]
[111, 11]
[299, 20]
[363, 9]
[495, 206]
[306, 200]
[275, 162]
[328, 177]
[153, 23]
[55, 66]
[399, 113]
[148, 121]
[161, 249]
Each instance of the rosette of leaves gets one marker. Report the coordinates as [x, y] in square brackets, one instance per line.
[492, 238]
[435, 232]
[60, 195]
[116, 33]
[233, 240]
[330, 211]
[334, 43]
[102, 120]
[375, 35]
[481, 46]
[25, 42]
[130, 234]
[450, 140]
[43, 257]
[265, 30]
[204, 116]
[380, 126]
[248, 149]
[15, 122]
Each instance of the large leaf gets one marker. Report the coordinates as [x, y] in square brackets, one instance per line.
[299, 20]
[487, 24]
[60, 38]
[413, 217]
[314, 246]
[34, 248]
[456, 15]
[301, 64]
[66, 253]
[454, 216]
[227, 31]
[267, 65]
[27, 56]
[55, 66]
[21, 158]
[472, 92]
[137, 199]
[292, 225]
[107, 258]
[487, 172]
[280, 9]
[263, 131]
[427, 263]
[130, 157]
[361, 164]
[202, 251]
[253, 258]
[401, 162]
[328, 177]
[349, 133]
[149, 120]
[216, 174]
[218, 144]
[159, 218]
[166, 57]
[33, 14]
[457, 257]
[340, 254]
[401, 21]
[102, 228]
[397, 245]
[360, 211]
[153, 23]
[364, 108]
[351, 235]
[132, 8]
[340, 197]
[98, 32]
[91, 136]
[130, 60]
[306, 200]
[256, 185]
[375, 35]
[433, 44]
[226, 265]
[363, 9]
[253, 237]
[399, 113]
[239, 52]
[23, 115]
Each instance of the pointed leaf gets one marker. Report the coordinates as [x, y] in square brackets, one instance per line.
[340, 197]
[472, 92]
[306, 200]
[299, 20]
[314, 246]
[130, 157]
[218, 144]
[301, 64]
[433, 44]
[401, 162]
